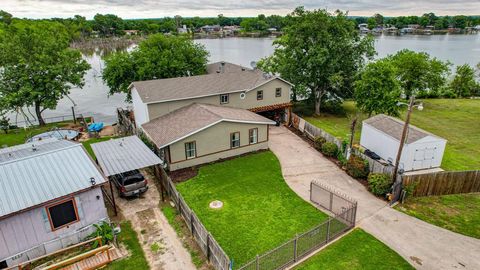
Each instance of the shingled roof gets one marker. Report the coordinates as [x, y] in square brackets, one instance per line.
[233, 78]
[188, 120]
[394, 128]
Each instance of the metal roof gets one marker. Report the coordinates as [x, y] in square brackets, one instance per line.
[35, 173]
[124, 154]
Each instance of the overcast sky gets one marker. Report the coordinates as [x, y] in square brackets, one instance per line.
[207, 8]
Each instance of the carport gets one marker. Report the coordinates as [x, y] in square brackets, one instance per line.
[121, 155]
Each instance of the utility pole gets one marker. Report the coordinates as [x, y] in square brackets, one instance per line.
[402, 140]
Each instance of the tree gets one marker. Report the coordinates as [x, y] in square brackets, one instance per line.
[378, 90]
[37, 66]
[378, 19]
[253, 24]
[464, 83]
[320, 52]
[5, 17]
[157, 57]
[418, 73]
[108, 24]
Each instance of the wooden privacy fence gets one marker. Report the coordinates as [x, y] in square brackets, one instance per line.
[209, 246]
[375, 166]
[312, 131]
[293, 250]
[443, 183]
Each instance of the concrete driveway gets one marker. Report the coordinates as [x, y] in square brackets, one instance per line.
[424, 245]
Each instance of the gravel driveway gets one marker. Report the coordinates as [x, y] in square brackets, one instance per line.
[424, 245]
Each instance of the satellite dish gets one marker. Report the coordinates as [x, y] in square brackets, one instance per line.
[253, 64]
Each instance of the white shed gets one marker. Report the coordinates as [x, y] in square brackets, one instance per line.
[422, 150]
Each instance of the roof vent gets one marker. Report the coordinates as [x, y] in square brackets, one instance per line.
[34, 148]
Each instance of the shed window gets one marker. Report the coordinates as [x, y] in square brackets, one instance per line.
[190, 150]
[259, 94]
[253, 135]
[224, 99]
[62, 214]
[235, 140]
[278, 92]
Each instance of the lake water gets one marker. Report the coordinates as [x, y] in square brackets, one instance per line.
[93, 99]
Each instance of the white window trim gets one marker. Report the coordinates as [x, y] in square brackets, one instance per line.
[232, 140]
[254, 135]
[192, 150]
[221, 98]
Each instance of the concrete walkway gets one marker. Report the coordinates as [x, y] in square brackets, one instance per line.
[424, 245]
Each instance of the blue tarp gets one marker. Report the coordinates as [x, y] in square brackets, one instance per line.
[95, 127]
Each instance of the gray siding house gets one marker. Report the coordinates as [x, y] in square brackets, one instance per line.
[225, 84]
[202, 133]
[50, 196]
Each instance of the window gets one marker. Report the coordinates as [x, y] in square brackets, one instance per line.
[62, 214]
[190, 150]
[224, 99]
[253, 135]
[259, 94]
[278, 92]
[235, 140]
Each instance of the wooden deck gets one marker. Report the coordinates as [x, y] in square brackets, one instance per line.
[96, 261]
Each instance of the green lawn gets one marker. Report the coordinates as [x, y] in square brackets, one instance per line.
[260, 211]
[356, 250]
[456, 120]
[128, 237]
[459, 213]
[19, 136]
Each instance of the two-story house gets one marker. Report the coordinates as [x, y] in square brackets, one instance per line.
[199, 119]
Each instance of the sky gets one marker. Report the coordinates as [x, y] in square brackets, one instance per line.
[129, 9]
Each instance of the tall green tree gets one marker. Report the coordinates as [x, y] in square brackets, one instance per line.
[464, 83]
[321, 52]
[37, 67]
[419, 73]
[108, 24]
[5, 17]
[378, 90]
[157, 57]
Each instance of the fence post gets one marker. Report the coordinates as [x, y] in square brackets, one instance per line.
[295, 250]
[208, 246]
[191, 223]
[331, 201]
[328, 229]
[257, 265]
[311, 191]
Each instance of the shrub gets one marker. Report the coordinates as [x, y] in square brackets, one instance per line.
[329, 149]
[379, 183]
[319, 141]
[357, 167]
[103, 230]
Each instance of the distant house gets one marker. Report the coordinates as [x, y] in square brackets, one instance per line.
[182, 30]
[50, 196]
[131, 32]
[202, 133]
[211, 28]
[422, 150]
[225, 84]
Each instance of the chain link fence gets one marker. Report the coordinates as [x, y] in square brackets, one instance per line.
[344, 211]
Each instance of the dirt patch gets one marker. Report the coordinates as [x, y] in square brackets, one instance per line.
[183, 174]
[163, 249]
